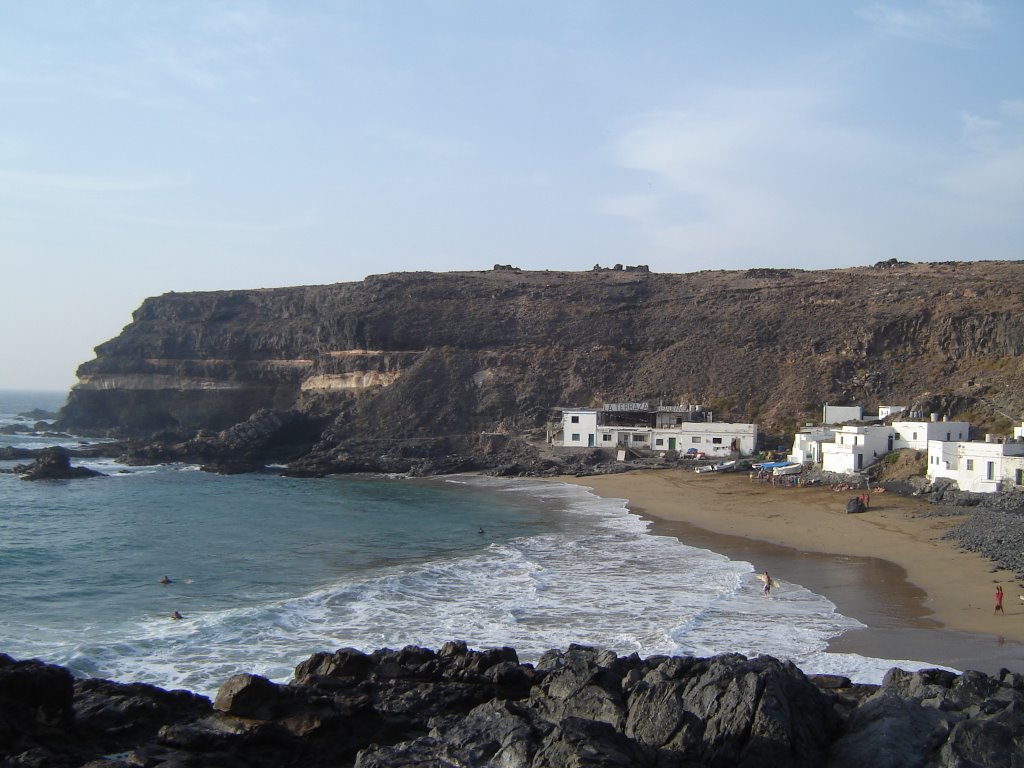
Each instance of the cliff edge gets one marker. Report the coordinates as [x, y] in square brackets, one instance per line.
[415, 356]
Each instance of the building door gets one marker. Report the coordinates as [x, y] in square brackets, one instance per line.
[590, 440]
[1020, 477]
[890, 443]
[671, 443]
[860, 461]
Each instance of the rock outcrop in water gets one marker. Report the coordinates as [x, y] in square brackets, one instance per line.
[459, 708]
[53, 463]
[357, 371]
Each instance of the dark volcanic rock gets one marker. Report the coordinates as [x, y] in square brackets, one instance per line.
[10, 452]
[38, 414]
[424, 355]
[998, 534]
[16, 429]
[54, 464]
[458, 707]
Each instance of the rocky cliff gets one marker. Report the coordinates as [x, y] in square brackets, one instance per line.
[457, 708]
[423, 355]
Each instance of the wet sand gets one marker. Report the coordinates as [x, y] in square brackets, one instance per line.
[920, 597]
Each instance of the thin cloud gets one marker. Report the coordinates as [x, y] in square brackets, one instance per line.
[639, 208]
[768, 176]
[989, 179]
[979, 132]
[944, 22]
[739, 175]
[1012, 108]
[96, 184]
[429, 145]
[298, 221]
[222, 48]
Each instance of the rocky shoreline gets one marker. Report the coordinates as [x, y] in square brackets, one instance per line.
[458, 707]
[994, 524]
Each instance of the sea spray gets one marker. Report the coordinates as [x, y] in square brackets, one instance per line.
[266, 570]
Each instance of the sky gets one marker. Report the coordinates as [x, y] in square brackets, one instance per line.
[192, 145]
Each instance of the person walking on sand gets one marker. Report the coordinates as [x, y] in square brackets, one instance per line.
[999, 600]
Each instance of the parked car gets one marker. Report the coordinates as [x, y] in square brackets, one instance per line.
[693, 453]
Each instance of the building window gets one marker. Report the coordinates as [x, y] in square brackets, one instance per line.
[970, 465]
[990, 471]
[716, 440]
[574, 419]
[896, 436]
[947, 437]
[606, 438]
[695, 439]
[913, 436]
[659, 441]
[639, 438]
[575, 437]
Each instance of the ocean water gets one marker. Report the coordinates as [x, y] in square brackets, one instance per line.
[267, 570]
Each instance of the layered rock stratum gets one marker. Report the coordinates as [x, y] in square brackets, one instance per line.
[284, 372]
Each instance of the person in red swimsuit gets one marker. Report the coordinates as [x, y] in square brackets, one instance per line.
[999, 600]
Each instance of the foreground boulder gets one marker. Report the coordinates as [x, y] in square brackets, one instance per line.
[458, 707]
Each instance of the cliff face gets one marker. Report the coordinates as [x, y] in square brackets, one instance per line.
[426, 354]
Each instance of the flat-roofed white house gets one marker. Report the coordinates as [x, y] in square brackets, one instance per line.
[981, 467]
[661, 428]
[579, 427]
[918, 434]
[837, 414]
[885, 411]
[855, 447]
[807, 444]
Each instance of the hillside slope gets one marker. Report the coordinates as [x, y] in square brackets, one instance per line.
[414, 355]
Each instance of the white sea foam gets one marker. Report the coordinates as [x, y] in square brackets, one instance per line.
[597, 577]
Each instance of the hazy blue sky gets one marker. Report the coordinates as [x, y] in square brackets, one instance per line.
[154, 146]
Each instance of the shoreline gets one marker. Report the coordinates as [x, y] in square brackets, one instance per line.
[920, 597]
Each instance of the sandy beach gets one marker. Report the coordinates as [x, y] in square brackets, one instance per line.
[920, 596]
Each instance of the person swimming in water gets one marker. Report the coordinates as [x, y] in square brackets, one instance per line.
[165, 580]
[176, 616]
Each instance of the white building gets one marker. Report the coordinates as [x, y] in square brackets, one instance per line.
[981, 467]
[579, 427]
[885, 411]
[837, 414]
[807, 444]
[856, 447]
[918, 434]
[655, 429]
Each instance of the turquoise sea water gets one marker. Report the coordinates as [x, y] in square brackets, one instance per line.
[267, 570]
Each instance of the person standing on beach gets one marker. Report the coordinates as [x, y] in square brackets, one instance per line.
[999, 600]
